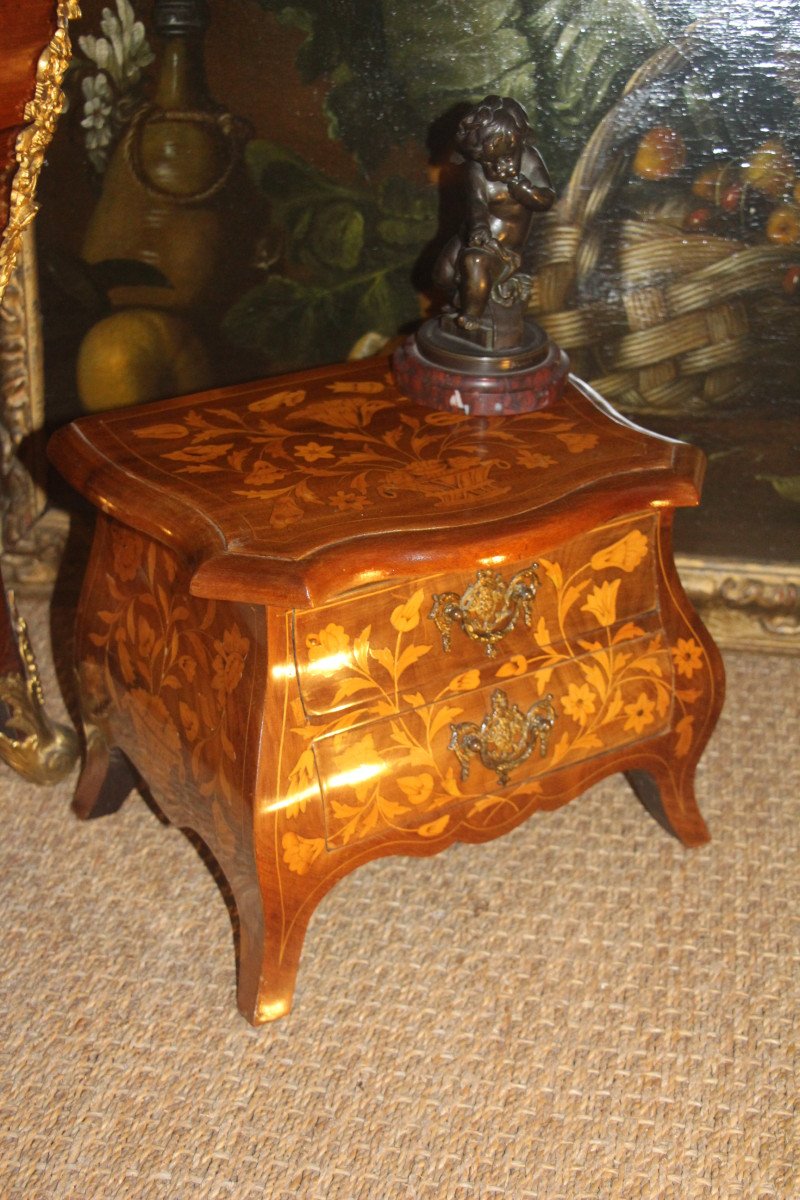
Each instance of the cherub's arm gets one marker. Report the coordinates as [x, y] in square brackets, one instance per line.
[532, 186]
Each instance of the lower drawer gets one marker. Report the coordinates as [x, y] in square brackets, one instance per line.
[413, 770]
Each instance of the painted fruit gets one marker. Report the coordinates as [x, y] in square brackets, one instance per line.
[730, 197]
[783, 225]
[660, 153]
[139, 354]
[770, 169]
[699, 220]
[708, 183]
[791, 281]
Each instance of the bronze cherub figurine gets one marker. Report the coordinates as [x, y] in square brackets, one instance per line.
[484, 265]
[483, 354]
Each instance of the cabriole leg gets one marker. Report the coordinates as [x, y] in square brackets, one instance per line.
[107, 778]
[271, 943]
[673, 805]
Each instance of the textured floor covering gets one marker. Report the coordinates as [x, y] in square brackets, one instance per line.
[579, 1011]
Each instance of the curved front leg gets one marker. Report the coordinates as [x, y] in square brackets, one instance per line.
[272, 932]
[663, 773]
[675, 808]
[106, 779]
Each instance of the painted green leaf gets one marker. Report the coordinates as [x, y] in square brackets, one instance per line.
[280, 320]
[589, 51]
[369, 113]
[408, 214]
[387, 303]
[293, 324]
[393, 68]
[288, 182]
[787, 486]
[445, 53]
[336, 235]
[397, 197]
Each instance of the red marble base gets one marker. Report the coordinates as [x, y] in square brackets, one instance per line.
[481, 395]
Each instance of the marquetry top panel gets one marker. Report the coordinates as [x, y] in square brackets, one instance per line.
[297, 489]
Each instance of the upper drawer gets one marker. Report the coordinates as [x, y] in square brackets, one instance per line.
[396, 647]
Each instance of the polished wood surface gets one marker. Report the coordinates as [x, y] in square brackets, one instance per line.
[273, 486]
[324, 712]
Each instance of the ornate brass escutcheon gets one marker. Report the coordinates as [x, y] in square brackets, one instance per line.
[489, 607]
[506, 736]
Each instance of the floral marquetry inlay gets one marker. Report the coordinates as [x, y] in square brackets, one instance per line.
[170, 667]
[577, 590]
[364, 450]
[384, 756]
[296, 466]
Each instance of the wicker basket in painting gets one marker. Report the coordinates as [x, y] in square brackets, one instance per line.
[656, 318]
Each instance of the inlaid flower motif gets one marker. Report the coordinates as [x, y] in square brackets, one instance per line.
[416, 787]
[534, 460]
[516, 665]
[406, 616]
[228, 663]
[300, 853]
[189, 720]
[188, 666]
[312, 451]
[602, 602]
[577, 443]
[433, 828]
[128, 551]
[467, 681]
[348, 501]
[263, 473]
[640, 713]
[684, 731]
[153, 723]
[331, 642]
[199, 455]
[579, 702]
[168, 431]
[146, 637]
[687, 656]
[358, 765]
[626, 553]
[363, 387]
[301, 780]
[275, 400]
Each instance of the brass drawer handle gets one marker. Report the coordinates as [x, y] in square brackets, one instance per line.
[489, 607]
[506, 736]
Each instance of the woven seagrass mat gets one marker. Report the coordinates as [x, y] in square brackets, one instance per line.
[579, 1011]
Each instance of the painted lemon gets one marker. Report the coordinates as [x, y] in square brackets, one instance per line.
[140, 354]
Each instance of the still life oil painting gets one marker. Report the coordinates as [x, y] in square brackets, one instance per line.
[251, 188]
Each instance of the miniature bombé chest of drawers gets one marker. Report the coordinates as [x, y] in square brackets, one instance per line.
[324, 624]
